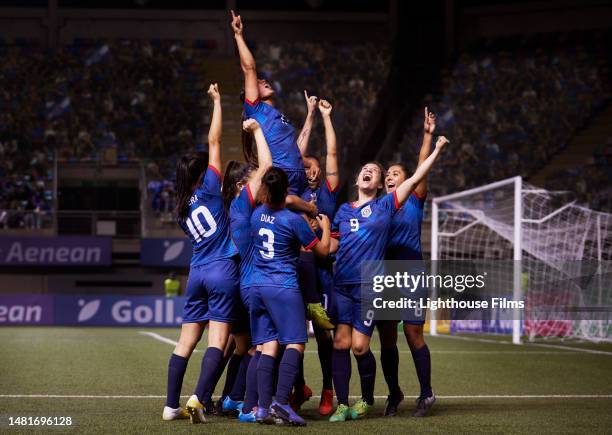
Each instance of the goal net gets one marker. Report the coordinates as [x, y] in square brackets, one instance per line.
[558, 254]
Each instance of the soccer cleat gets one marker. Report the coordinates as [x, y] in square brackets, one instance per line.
[341, 414]
[195, 410]
[298, 397]
[209, 408]
[174, 414]
[424, 405]
[393, 401]
[359, 409]
[217, 408]
[263, 416]
[318, 315]
[232, 406]
[326, 405]
[249, 417]
[284, 414]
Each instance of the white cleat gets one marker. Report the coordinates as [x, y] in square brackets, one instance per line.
[174, 414]
[195, 410]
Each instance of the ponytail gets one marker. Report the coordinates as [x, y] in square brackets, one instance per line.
[275, 183]
[189, 171]
[234, 174]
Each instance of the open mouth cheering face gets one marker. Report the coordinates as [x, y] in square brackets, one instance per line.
[370, 177]
[395, 176]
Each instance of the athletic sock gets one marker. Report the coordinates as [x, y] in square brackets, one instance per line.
[422, 363]
[213, 358]
[232, 372]
[366, 364]
[239, 387]
[389, 359]
[176, 372]
[287, 373]
[265, 380]
[250, 395]
[325, 349]
[220, 371]
[341, 373]
[299, 377]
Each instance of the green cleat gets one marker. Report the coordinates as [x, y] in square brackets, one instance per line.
[359, 409]
[341, 414]
[318, 315]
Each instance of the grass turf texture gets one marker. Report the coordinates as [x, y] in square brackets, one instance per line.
[120, 361]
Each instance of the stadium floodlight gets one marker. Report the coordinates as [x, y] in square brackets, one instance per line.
[543, 232]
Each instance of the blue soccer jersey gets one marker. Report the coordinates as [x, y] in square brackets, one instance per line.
[324, 197]
[240, 226]
[279, 134]
[363, 232]
[277, 237]
[405, 237]
[207, 224]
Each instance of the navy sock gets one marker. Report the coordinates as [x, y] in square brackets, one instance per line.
[422, 363]
[265, 380]
[213, 358]
[341, 373]
[366, 364]
[389, 359]
[325, 349]
[299, 378]
[287, 373]
[239, 386]
[230, 375]
[176, 372]
[220, 370]
[250, 395]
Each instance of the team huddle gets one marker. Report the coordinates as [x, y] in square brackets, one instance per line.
[271, 249]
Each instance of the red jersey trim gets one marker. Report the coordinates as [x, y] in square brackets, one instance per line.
[329, 186]
[419, 197]
[215, 170]
[311, 244]
[251, 103]
[397, 205]
[335, 234]
[250, 194]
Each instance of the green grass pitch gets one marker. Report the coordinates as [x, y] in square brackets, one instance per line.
[466, 374]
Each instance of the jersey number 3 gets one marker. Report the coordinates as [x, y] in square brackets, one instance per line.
[268, 243]
[195, 223]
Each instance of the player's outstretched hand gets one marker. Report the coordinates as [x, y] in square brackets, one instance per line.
[213, 92]
[250, 125]
[325, 107]
[236, 24]
[311, 101]
[429, 124]
[323, 221]
[441, 142]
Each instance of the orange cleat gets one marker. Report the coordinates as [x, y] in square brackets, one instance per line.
[326, 405]
[298, 398]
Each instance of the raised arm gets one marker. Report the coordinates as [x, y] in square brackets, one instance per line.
[263, 154]
[214, 132]
[429, 125]
[403, 190]
[331, 161]
[304, 137]
[247, 61]
[321, 249]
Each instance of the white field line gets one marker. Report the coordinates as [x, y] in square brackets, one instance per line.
[454, 352]
[549, 346]
[461, 397]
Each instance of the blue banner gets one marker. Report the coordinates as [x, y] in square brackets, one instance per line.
[55, 251]
[26, 310]
[173, 252]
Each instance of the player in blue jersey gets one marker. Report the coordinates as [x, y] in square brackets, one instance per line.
[212, 292]
[362, 229]
[240, 189]
[324, 191]
[275, 302]
[279, 132]
[405, 244]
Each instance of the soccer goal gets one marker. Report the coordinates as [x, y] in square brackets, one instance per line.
[559, 254]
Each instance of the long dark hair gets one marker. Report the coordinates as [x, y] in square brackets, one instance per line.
[189, 171]
[234, 174]
[249, 149]
[275, 184]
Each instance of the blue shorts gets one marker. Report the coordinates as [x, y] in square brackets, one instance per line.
[346, 308]
[297, 181]
[213, 292]
[277, 313]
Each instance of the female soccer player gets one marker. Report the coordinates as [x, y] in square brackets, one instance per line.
[362, 228]
[240, 188]
[405, 244]
[275, 301]
[213, 286]
[321, 270]
[279, 132]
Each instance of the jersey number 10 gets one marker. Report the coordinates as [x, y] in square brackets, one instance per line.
[195, 223]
